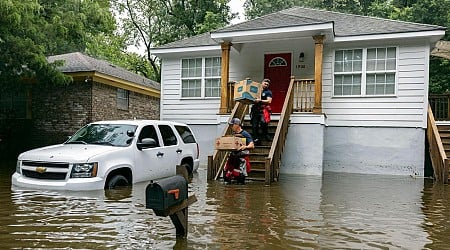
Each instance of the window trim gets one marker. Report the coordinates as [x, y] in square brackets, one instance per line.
[364, 73]
[202, 79]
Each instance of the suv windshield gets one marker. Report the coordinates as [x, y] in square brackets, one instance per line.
[119, 135]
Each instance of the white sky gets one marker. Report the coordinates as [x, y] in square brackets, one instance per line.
[237, 6]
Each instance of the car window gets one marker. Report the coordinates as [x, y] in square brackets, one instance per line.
[104, 134]
[185, 134]
[149, 132]
[168, 136]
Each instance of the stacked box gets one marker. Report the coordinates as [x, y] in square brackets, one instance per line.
[229, 143]
[246, 91]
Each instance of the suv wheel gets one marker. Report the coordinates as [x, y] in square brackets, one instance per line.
[117, 181]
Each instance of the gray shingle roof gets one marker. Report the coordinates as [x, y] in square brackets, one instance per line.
[344, 25]
[78, 62]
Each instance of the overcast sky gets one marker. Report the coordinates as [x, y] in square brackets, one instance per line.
[237, 6]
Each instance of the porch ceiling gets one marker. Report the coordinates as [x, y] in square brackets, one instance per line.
[282, 33]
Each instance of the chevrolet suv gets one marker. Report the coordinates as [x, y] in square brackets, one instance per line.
[108, 154]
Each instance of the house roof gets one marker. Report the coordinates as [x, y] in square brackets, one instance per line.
[78, 62]
[344, 25]
[442, 49]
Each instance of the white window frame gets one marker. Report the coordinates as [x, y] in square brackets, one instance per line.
[202, 79]
[364, 72]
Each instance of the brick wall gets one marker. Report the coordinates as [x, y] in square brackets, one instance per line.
[59, 111]
[104, 105]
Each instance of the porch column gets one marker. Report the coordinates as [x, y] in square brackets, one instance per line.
[318, 54]
[224, 77]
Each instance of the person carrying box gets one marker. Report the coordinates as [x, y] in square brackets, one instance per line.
[237, 166]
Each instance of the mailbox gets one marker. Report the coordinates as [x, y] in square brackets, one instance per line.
[165, 193]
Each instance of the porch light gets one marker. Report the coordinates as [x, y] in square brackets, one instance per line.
[301, 57]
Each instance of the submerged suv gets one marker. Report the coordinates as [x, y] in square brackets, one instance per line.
[107, 154]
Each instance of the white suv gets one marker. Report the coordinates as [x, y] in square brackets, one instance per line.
[108, 154]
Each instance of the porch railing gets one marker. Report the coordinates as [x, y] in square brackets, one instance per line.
[303, 90]
[273, 160]
[437, 152]
[440, 105]
[303, 95]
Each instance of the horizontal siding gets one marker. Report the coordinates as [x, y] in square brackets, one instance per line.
[406, 109]
[190, 111]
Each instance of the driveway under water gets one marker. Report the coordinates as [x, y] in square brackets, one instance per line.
[299, 212]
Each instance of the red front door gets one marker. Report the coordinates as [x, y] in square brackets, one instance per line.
[277, 67]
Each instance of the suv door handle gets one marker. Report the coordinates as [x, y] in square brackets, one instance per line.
[179, 150]
[160, 154]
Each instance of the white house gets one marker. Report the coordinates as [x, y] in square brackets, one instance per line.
[369, 86]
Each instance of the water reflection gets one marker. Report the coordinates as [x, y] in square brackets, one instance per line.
[299, 212]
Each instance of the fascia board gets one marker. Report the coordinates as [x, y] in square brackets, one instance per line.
[436, 34]
[164, 51]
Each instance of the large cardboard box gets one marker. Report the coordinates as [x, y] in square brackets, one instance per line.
[247, 91]
[229, 143]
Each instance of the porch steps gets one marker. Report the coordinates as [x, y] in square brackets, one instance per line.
[444, 133]
[261, 151]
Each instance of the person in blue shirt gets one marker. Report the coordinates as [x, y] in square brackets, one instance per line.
[260, 113]
[237, 166]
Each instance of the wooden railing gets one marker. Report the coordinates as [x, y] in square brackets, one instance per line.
[303, 95]
[273, 160]
[216, 162]
[437, 152]
[440, 105]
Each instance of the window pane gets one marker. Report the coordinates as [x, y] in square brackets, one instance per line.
[191, 88]
[391, 53]
[212, 66]
[338, 66]
[212, 87]
[390, 64]
[380, 65]
[371, 54]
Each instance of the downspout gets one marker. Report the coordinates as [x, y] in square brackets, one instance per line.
[224, 77]
[318, 57]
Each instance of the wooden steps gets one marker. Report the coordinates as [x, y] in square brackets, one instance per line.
[261, 151]
[444, 134]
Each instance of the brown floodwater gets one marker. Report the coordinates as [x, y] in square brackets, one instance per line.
[335, 211]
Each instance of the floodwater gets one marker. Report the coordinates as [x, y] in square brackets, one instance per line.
[335, 211]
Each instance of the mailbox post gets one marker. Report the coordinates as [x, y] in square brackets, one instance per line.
[169, 197]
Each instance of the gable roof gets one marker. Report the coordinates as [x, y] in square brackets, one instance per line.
[344, 25]
[78, 62]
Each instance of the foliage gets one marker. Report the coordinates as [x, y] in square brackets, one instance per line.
[31, 30]
[149, 23]
[22, 53]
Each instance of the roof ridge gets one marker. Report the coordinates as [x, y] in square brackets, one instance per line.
[358, 15]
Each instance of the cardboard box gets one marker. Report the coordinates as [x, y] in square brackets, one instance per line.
[247, 91]
[229, 143]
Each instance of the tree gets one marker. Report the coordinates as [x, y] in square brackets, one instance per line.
[150, 23]
[30, 30]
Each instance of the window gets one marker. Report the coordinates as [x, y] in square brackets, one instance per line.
[277, 62]
[365, 72]
[168, 136]
[149, 132]
[122, 99]
[185, 133]
[200, 77]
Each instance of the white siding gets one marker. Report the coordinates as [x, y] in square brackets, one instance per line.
[190, 110]
[406, 109]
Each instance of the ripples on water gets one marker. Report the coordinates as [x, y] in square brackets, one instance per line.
[299, 212]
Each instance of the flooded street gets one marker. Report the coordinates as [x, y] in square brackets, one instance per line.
[299, 212]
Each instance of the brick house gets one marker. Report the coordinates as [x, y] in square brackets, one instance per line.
[43, 114]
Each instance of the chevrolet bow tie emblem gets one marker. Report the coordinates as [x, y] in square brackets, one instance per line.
[41, 169]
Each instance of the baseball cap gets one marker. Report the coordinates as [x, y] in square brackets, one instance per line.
[236, 121]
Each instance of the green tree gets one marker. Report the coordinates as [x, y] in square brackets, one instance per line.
[149, 23]
[31, 30]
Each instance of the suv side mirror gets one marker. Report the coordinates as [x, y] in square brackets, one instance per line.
[146, 143]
